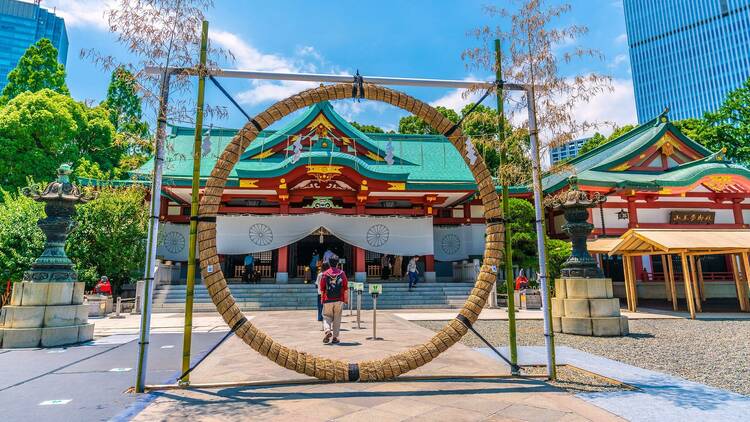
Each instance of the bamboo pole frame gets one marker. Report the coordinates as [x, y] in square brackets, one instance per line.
[187, 335]
[688, 287]
[510, 287]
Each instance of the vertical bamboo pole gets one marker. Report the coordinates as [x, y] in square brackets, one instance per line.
[701, 283]
[694, 283]
[536, 176]
[667, 287]
[672, 282]
[738, 284]
[688, 286]
[187, 335]
[153, 231]
[509, 284]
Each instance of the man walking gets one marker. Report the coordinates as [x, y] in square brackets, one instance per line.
[413, 272]
[334, 291]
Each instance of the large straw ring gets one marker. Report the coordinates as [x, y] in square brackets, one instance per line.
[321, 367]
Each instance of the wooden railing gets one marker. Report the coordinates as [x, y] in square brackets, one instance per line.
[264, 269]
[647, 276]
[373, 270]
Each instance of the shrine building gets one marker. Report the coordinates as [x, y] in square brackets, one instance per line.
[320, 184]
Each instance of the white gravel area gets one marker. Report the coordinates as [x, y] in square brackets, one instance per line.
[712, 352]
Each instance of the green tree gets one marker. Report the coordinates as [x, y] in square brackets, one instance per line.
[728, 127]
[598, 139]
[592, 143]
[558, 252]
[21, 241]
[415, 125]
[132, 137]
[367, 128]
[109, 236]
[39, 130]
[732, 125]
[36, 70]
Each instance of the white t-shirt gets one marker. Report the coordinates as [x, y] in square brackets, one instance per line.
[412, 266]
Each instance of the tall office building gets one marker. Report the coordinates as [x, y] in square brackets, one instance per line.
[567, 150]
[21, 25]
[686, 54]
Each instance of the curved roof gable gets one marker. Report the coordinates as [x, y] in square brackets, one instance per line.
[319, 122]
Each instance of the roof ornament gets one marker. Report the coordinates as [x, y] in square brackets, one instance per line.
[389, 152]
[206, 144]
[297, 146]
[471, 152]
[663, 117]
[358, 89]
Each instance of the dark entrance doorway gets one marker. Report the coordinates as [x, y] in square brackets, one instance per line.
[302, 251]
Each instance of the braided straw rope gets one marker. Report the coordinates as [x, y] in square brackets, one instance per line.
[315, 366]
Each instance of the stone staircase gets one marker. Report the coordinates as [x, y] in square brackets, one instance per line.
[251, 297]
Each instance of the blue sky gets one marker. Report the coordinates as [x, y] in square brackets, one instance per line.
[416, 38]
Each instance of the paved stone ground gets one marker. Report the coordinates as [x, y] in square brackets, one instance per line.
[454, 399]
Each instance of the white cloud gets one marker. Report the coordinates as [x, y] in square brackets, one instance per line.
[622, 38]
[81, 13]
[457, 99]
[617, 106]
[618, 60]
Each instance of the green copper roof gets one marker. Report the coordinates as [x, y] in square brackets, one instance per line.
[419, 160]
[594, 167]
[430, 161]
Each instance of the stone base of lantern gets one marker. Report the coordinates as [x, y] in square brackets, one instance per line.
[586, 306]
[45, 315]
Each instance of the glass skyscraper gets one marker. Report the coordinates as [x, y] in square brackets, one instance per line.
[686, 54]
[21, 25]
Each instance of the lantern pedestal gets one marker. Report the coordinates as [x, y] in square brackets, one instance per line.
[583, 302]
[46, 308]
[586, 306]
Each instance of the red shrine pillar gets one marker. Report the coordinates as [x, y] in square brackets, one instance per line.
[360, 267]
[632, 213]
[429, 268]
[282, 276]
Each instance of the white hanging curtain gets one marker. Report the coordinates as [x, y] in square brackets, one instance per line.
[456, 243]
[172, 242]
[244, 234]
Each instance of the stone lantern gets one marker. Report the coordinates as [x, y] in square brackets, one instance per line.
[584, 303]
[46, 308]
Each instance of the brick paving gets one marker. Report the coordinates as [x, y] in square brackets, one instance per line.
[450, 399]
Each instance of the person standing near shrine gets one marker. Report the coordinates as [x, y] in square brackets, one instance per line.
[103, 287]
[327, 256]
[386, 264]
[314, 261]
[323, 268]
[334, 292]
[398, 270]
[248, 275]
[413, 272]
[522, 283]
